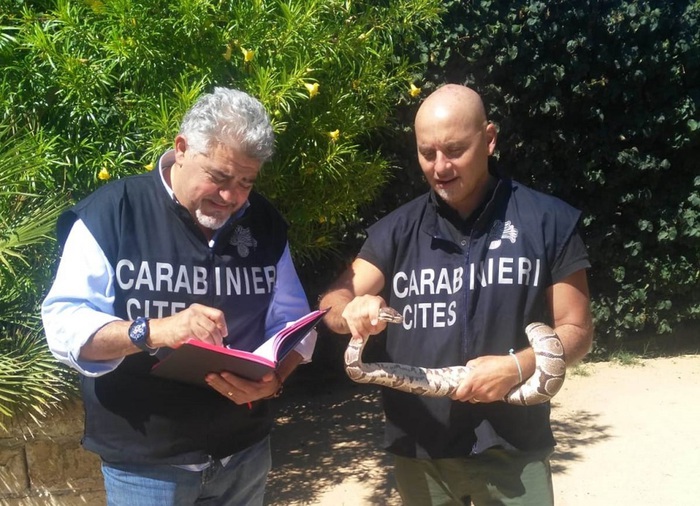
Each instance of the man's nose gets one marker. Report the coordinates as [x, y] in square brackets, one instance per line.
[442, 163]
[230, 194]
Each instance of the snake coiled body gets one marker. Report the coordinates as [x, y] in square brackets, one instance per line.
[540, 387]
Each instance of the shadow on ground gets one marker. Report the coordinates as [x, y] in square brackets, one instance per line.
[326, 433]
[574, 432]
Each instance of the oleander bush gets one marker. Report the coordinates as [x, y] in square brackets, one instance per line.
[112, 79]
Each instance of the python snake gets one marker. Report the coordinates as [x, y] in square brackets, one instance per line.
[547, 380]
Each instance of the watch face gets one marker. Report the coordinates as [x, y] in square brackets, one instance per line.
[138, 331]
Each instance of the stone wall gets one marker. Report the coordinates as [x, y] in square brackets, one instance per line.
[44, 464]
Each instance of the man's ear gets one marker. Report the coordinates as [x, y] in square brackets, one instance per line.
[180, 147]
[491, 137]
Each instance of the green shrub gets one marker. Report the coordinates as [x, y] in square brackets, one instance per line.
[31, 381]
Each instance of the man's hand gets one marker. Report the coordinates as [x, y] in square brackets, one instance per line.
[241, 390]
[200, 322]
[490, 378]
[362, 315]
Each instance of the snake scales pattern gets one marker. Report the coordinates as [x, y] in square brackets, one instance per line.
[540, 387]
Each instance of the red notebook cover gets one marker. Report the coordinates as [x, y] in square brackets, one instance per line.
[194, 359]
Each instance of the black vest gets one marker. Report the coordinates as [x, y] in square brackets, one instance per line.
[163, 264]
[461, 302]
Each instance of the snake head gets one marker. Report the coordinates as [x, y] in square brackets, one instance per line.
[388, 314]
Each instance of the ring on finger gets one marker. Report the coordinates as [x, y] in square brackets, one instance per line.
[230, 394]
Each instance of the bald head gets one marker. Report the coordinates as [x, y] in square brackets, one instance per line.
[454, 142]
[454, 101]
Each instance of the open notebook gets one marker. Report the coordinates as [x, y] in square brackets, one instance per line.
[194, 359]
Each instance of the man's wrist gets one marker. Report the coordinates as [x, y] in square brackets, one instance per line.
[517, 363]
[280, 387]
[139, 334]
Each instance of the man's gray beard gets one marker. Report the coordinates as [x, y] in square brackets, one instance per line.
[210, 222]
[444, 195]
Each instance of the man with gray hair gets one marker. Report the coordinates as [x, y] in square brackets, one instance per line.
[188, 250]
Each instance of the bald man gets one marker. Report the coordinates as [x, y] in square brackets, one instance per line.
[469, 265]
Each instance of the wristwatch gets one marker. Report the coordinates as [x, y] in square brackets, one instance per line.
[138, 333]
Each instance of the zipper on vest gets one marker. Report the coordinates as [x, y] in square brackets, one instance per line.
[465, 337]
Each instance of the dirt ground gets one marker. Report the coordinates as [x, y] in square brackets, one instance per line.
[627, 434]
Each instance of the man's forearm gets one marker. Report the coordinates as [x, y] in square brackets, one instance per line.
[577, 341]
[109, 343]
[336, 300]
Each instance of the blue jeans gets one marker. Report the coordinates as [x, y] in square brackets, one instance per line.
[240, 482]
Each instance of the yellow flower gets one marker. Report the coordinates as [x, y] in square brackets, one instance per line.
[227, 54]
[149, 167]
[313, 89]
[414, 91]
[104, 174]
[248, 55]
[334, 135]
